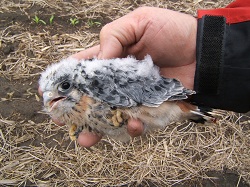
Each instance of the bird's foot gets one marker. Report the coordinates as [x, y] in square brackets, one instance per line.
[117, 118]
[74, 132]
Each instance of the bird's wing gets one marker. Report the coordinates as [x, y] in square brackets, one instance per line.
[123, 87]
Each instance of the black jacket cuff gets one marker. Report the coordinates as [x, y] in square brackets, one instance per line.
[222, 77]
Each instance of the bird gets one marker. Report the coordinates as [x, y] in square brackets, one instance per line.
[100, 95]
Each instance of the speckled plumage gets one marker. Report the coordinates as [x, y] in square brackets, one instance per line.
[101, 95]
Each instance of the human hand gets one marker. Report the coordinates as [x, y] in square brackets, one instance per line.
[168, 36]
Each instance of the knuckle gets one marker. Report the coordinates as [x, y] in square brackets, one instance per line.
[143, 9]
[106, 28]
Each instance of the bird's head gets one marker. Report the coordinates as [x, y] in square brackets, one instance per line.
[58, 88]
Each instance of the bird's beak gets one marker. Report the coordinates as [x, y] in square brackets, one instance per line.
[51, 99]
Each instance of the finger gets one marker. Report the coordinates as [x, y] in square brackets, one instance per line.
[135, 127]
[57, 121]
[88, 139]
[88, 53]
[120, 34]
[109, 48]
[40, 91]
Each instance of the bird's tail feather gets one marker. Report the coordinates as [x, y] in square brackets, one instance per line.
[206, 114]
[200, 114]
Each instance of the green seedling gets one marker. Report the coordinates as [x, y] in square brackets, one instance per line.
[74, 21]
[92, 23]
[37, 20]
[51, 19]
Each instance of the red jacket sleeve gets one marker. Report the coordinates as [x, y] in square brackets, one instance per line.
[222, 77]
[237, 11]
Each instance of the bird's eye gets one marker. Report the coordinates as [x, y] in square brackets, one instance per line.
[64, 86]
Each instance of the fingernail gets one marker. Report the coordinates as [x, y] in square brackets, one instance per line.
[40, 91]
[57, 121]
[100, 54]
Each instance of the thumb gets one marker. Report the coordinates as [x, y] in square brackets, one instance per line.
[110, 45]
[119, 35]
[110, 48]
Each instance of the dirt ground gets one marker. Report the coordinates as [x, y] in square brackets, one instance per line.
[36, 152]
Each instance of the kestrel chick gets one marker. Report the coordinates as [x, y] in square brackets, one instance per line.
[101, 95]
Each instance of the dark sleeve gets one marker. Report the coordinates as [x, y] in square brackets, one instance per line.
[222, 77]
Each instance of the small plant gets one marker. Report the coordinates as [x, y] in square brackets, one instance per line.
[92, 23]
[74, 21]
[51, 19]
[37, 20]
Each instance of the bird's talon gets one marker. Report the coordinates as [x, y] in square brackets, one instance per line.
[72, 132]
[117, 118]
